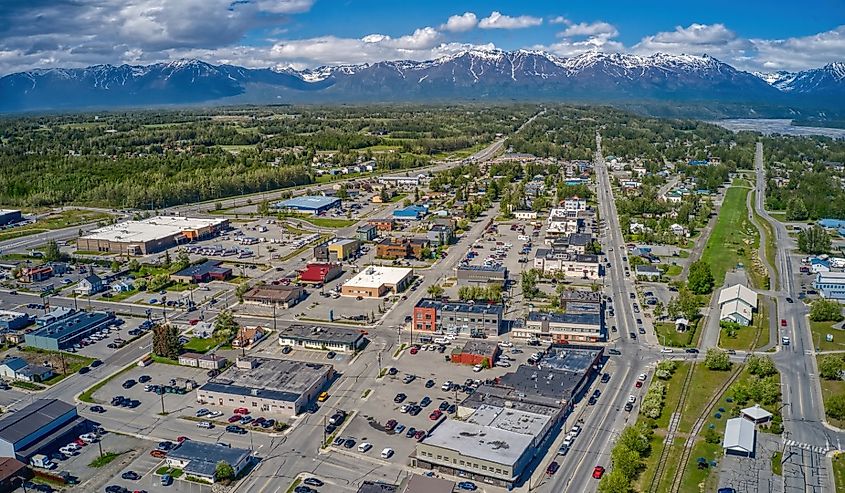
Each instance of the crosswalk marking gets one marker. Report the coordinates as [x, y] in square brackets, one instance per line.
[806, 446]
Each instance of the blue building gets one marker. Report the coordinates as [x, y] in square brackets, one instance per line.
[68, 331]
[37, 427]
[13, 320]
[831, 285]
[412, 212]
[309, 204]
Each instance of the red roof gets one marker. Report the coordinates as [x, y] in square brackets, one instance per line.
[315, 272]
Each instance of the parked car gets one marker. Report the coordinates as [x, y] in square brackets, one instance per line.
[467, 486]
[312, 482]
[131, 476]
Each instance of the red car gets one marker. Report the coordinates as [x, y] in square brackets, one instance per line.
[241, 410]
[598, 472]
[435, 415]
[236, 417]
[194, 321]
[80, 442]
[158, 454]
[391, 425]
[182, 439]
[783, 322]
[419, 435]
[638, 384]
[414, 350]
[553, 467]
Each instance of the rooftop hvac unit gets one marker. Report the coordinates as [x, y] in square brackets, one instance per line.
[254, 392]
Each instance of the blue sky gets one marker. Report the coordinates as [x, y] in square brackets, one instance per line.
[751, 35]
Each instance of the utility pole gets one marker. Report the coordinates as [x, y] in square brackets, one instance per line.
[274, 317]
[324, 430]
[162, 403]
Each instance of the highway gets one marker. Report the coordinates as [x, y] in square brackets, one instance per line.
[803, 411]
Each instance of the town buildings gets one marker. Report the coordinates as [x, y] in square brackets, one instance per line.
[275, 294]
[308, 204]
[830, 285]
[574, 325]
[465, 317]
[320, 273]
[150, 235]
[737, 303]
[203, 272]
[322, 338]
[200, 459]
[65, 332]
[482, 274]
[36, 428]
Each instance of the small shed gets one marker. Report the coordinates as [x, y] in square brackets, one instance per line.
[740, 437]
[756, 414]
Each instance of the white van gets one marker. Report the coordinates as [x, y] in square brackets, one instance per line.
[205, 424]
[365, 447]
[387, 453]
[441, 340]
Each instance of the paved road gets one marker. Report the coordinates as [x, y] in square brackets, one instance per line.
[804, 470]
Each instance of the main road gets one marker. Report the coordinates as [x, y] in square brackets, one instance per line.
[807, 436]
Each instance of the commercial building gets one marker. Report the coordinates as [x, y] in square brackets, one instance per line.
[268, 386]
[577, 298]
[308, 204]
[200, 459]
[411, 213]
[203, 272]
[320, 273]
[475, 352]
[383, 224]
[573, 265]
[830, 285]
[425, 484]
[343, 248]
[13, 320]
[575, 204]
[366, 232]
[403, 181]
[322, 338]
[10, 216]
[205, 361]
[431, 315]
[66, 332]
[54, 315]
[402, 248]
[376, 281]
[273, 294]
[150, 235]
[26, 432]
[525, 215]
[494, 444]
[562, 328]
[737, 303]
[647, 272]
[482, 274]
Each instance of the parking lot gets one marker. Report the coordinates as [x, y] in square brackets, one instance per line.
[370, 422]
[114, 338]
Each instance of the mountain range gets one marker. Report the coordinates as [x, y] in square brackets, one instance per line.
[468, 75]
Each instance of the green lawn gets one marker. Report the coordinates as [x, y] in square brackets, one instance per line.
[694, 477]
[105, 459]
[839, 472]
[58, 220]
[179, 287]
[732, 238]
[71, 363]
[820, 331]
[769, 248]
[327, 222]
[673, 270]
[123, 295]
[199, 345]
[779, 215]
[777, 465]
[707, 382]
[668, 336]
[831, 388]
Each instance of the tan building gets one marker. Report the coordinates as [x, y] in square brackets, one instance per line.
[206, 361]
[272, 294]
[375, 281]
[150, 235]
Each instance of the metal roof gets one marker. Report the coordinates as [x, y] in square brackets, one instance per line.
[20, 424]
[308, 202]
[203, 457]
[740, 435]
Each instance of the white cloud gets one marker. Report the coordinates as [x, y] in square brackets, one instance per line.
[559, 20]
[460, 23]
[497, 20]
[800, 52]
[598, 28]
[567, 47]
[696, 39]
[421, 39]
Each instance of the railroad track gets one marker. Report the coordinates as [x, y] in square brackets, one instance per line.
[657, 478]
[696, 429]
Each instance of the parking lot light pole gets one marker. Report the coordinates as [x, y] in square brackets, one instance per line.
[162, 402]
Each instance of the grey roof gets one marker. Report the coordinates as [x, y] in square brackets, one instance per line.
[377, 487]
[321, 334]
[481, 348]
[740, 435]
[482, 268]
[204, 457]
[649, 269]
[13, 362]
[93, 279]
[425, 484]
[202, 269]
[78, 322]
[276, 379]
[548, 383]
[21, 424]
[565, 318]
[462, 306]
[581, 296]
[571, 358]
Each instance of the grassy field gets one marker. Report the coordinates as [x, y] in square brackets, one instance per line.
[54, 221]
[674, 270]
[733, 236]
[820, 331]
[327, 222]
[839, 472]
[199, 345]
[70, 362]
[830, 388]
[668, 336]
[707, 382]
[769, 248]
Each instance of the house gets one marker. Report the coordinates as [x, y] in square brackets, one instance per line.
[366, 232]
[635, 228]
[247, 336]
[203, 272]
[320, 273]
[819, 265]
[15, 368]
[736, 304]
[122, 286]
[525, 215]
[679, 230]
[203, 330]
[89, 285]
[830, 285]
[648, 272]
[440, 235]
[740, 437]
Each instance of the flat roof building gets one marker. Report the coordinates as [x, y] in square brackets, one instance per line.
[10, 216]
[458, 317]
[275, 294]
[343, 248]
[67, 331]
[203, 272]
[482, 274]
[322, 338]
[13, 320]
[320, 273]
[150, 235]
[25, 432]
[425, 484]
[310, 204]
[264, 385]
[375, 281]
[200, 459]
[475, 352]
[831, 285]
[561, 328]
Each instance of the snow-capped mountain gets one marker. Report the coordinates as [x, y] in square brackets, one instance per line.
[466, 75]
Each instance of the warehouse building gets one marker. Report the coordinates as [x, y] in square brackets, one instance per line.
[322, 338]
[458, 317]
[150, 235]
[203, 272]
[68, 331]
[200, 459]
[275, 294]
[10, 216]
[366, 232]
[267, 386]
[36, 427]
[476, 353]
[831, 285]
[494, 445]
[482, 274]
[375, 281]
[308, 204]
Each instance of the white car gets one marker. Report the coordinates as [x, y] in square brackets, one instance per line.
[88, 438]
[477, 368]
[642, 377]
[632, 398]
[404, 408]
[214, 414]
[447, 386]
[568, 441]
[506, 344]
[575, 431]
[666, 350]
[364, 447]
[386, 453]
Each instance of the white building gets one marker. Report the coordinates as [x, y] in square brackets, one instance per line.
[575, 204]
[525, 215]
[737, 303]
